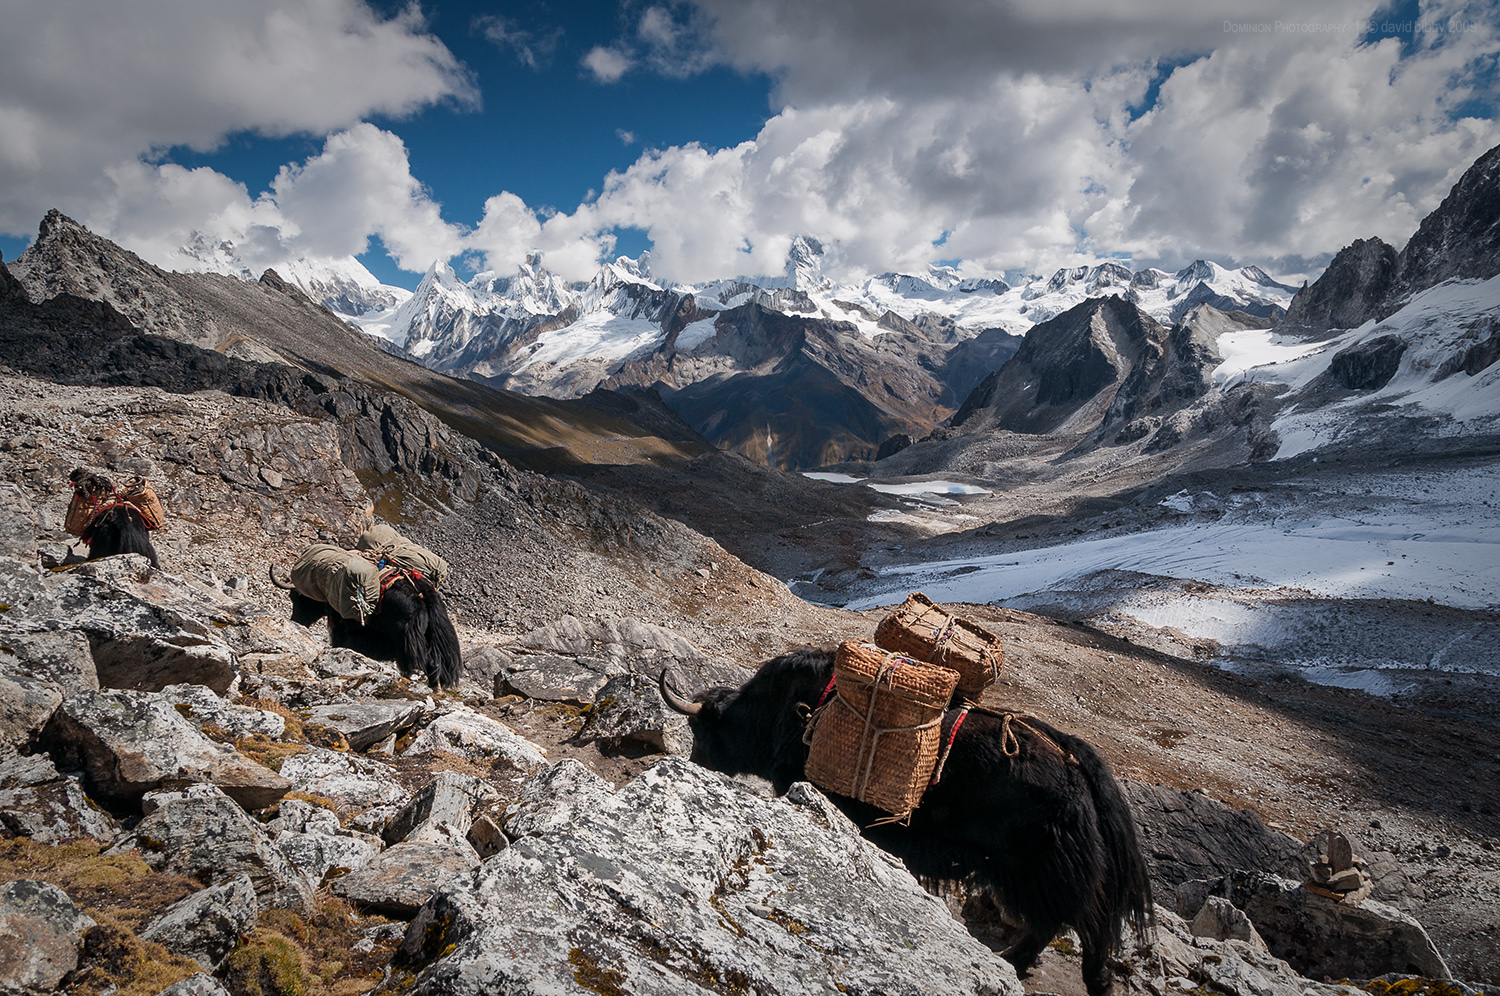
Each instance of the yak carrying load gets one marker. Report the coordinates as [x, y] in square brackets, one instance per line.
[380, 599]
[878, 732]
[113, 520]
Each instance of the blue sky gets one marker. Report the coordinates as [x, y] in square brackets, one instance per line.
[995, 134]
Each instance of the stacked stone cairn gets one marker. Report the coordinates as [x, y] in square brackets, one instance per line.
[1339, 874]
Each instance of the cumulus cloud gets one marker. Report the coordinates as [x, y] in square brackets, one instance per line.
[607, 64]
[1016, 135]
[87, 89]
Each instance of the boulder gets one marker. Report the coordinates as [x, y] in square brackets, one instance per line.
[630, 709]
[352, 783]
[482, 663]
[214, 840]
[26, 704]
[62, 657]
[129, 743]
[1186, 836]
[206, 925]
[1194, 962]
[550, 678]
[365, 724]
[147, 628]
[1324, 938]
[448, 800]
[40, 934]
[403, 877]
[679, 882]
[200, 705]
[315, 842]
[201, 984]
[37, 801]
[476, 737]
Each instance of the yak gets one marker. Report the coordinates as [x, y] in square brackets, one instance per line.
[117, 527]
[1044, 829]
[409, 626]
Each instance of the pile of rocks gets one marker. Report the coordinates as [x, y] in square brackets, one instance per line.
[1338, 873]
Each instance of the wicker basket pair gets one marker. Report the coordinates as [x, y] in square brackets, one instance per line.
[137, 493]
[879, 738]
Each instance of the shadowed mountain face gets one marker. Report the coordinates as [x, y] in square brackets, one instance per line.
[1369, 279]
[274, 322]
[796, 392]
[1067, 371]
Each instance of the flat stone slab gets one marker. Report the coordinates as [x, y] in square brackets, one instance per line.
[26, 703]
[351, 782]
[476, 737]
[550, 678]
[404, 876]
[365, 724]
[199, 704]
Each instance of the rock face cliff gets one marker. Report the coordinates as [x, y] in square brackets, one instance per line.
[1369, 279]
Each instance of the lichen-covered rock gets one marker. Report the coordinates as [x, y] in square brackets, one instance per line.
[201, 984]
[315, 842]
[40, 931]
[350, 782]
[1193, 962]
[129, 743]
[214, 840]
[26, 704]
[147, 628]
[365, 724]
[476, 737]
[206, 925]
[37, 801]
[199, 704]
[450, 800]
[402, 877]
[62, 657]
[630, 708]
[679, 882]
[17, 525]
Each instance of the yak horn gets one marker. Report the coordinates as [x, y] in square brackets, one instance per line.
[680, 704]
[284, 586]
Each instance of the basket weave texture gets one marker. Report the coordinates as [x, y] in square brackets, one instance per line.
[878, 739]
[925, 631]
[142, 495]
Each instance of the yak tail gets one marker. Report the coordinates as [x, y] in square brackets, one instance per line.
[445, 663]
[413, 658]
[1127, 888]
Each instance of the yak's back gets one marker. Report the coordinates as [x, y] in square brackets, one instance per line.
[384, 541]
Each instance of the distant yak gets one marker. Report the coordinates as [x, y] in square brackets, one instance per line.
[407, 622]
[1044, 828]
[114, 526]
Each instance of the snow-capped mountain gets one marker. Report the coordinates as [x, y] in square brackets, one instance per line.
[344, 285]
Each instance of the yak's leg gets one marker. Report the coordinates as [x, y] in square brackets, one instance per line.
[1024, 953]
[1097, 975]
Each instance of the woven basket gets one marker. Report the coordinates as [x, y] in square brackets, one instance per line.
[921, 629]
[878, 739]
[80, 511]
[139, 493]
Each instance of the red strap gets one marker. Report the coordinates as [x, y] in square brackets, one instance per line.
[942, 762]
[827, 691]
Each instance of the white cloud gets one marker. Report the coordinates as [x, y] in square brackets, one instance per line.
[1012, 135]
[87, 89]
[532, 49]
[607, 64]
[627, 137]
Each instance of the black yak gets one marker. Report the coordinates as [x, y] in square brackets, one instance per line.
[1046, 832]
[115, 526]
[410, 626]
